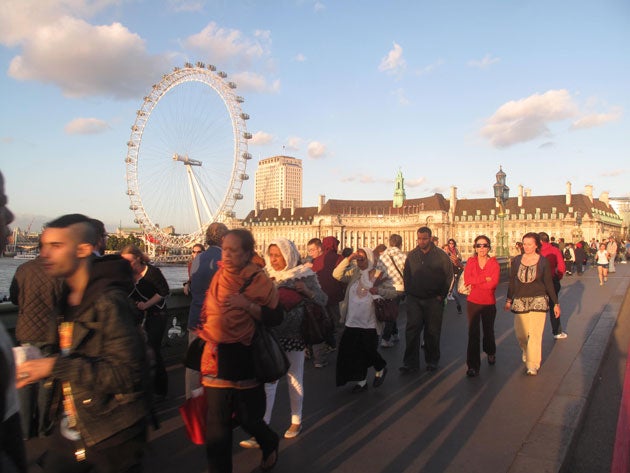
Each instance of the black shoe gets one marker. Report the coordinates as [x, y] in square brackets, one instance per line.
[492, 359]
[431, 367]
[359, 388]
[271, 460]
[459, 309]
[471, 373]
[407, 370]
[378, 380]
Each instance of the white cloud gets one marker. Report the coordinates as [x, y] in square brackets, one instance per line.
[299, 57]
[319, 6]
[486, 61]
[614, 173]
[597, 119]
[228, 46]
[294, 143]
[428, 69]
[251, 81]
[110, 60]
[415, 182]
[523, 120]
[401, 97]
[86, 126]
[394, 62]
[316, 150]
[261, 138]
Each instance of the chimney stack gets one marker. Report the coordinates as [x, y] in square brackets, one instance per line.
[322, 201]
[520, 195]
[604, 197]
[292, 207]
[588, 190]
[279, 207]
[453, 202]
[528, 192]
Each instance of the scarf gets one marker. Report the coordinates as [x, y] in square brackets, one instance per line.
[293, 269]
[222, 324]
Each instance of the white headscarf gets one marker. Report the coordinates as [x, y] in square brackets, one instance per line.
[293, 269]
[364, 281]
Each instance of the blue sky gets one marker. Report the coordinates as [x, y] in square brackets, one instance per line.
[445, 91]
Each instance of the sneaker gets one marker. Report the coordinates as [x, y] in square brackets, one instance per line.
[532, 372]
[450, 298]
[387, 343]
[323, 364]
[560, 336]
[249, 443]
[601, 283]
[471, 373]
[293, 431]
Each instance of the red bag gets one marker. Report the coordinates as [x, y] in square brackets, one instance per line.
[194, 413]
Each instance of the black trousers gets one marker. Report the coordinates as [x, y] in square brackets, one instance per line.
[123, 457]
[423, 315]
[556, 326]
[248, 406]
[484, 316]
[155, 326]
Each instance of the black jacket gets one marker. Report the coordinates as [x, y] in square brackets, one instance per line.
[428, 275]
[106, 367]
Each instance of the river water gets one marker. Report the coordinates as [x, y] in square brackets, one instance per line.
[175, 275]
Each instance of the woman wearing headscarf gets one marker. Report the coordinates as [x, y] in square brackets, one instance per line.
[358, 347]
[295, 283]
[239, 293]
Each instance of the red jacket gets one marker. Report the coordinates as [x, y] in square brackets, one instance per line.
[555, 259]
[482, 290]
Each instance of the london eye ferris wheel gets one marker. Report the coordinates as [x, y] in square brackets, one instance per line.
[187, 155]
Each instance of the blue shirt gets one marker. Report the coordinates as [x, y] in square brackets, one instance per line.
[202, 270]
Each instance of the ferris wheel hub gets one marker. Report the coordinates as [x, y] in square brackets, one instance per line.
[186, 160]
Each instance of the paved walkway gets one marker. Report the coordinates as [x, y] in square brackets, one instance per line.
[501, 421]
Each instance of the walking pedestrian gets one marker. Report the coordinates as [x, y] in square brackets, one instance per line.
[428, 276]
[556, 260]
[482, 274]
[529, 291]
[602, 261]
[392, 263]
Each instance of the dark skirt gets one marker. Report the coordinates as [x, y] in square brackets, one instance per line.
[358, 350]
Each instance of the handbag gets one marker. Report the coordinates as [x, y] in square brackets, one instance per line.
[192, 359]
[462, 287]
[316, 323]
[386, 310]
[270, 361]
[194, 414]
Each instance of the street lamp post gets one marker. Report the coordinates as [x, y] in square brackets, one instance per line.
[501, 194]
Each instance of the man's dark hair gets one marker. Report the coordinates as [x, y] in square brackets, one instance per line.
[314, 241]
[346, 252]
[544, 237]
[86, 232]
[395, 240]
[215, 233]
[99, 228]
[425, 230]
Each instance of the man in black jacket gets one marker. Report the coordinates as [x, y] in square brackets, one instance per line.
[101, 369]
[428, 276]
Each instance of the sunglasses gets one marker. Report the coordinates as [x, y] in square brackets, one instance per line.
[482, 245]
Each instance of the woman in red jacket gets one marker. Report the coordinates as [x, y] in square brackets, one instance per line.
[482, 275]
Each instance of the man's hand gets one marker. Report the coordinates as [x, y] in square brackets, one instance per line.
[32, 371]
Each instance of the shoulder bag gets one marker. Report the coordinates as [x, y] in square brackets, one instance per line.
[462, 287]
[270, 361]
[316, 323]
[386, 310]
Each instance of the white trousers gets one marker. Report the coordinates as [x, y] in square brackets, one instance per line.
[295, 384]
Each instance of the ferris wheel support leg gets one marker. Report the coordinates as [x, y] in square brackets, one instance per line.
[192, 194]
[201, 196]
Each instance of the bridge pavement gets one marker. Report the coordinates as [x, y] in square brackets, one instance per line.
[501, 421]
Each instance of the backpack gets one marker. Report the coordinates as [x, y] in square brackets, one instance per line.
[567, 254]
